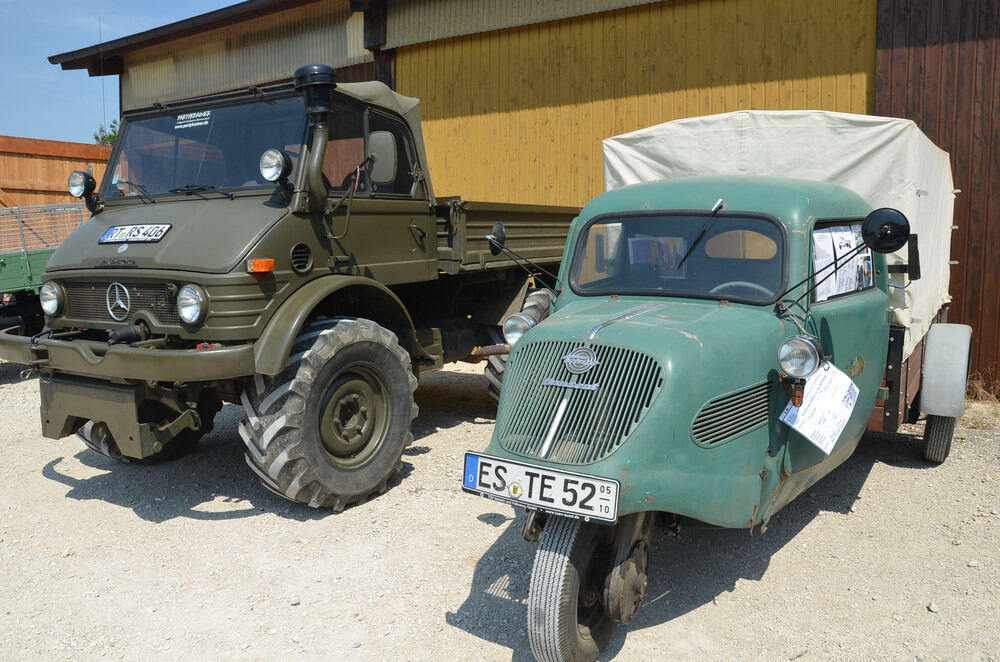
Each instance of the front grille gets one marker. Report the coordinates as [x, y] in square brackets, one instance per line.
[594, 423]
[731, 415]
[87, 300]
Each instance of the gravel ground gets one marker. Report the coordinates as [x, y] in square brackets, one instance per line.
[887, 558]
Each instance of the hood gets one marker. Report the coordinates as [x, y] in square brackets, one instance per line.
[718, 344]
[208, 236]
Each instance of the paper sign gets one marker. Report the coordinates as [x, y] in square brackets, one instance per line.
[827, 403]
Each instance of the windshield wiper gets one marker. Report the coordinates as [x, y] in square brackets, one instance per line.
[141, 191]
[198, 189]
[704, 229]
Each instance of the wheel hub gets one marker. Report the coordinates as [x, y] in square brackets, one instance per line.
[350, 423]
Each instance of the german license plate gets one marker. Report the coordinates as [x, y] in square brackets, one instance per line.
[542, 488]
[120, 234]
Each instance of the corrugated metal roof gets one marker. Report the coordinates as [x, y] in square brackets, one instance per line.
[420, 21]
[261, 50]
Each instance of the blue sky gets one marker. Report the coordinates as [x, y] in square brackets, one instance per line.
[40, 100]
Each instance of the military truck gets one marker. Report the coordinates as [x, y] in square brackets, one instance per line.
[28, 237]
[282, 248]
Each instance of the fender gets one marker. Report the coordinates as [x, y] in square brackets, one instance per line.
[272, 349]
[945, 370]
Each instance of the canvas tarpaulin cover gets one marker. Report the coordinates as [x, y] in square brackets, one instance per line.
[887, 161]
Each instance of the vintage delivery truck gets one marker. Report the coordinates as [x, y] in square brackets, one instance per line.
[717, 344]
[281, 248]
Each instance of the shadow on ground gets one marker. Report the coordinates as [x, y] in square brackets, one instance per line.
[194, 485]
[714, 560]
[12, 373]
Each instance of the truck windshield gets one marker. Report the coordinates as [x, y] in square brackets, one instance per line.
[194, 151]
[728, 256]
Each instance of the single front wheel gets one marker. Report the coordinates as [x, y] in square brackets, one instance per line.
[330, 430]
[567, 621]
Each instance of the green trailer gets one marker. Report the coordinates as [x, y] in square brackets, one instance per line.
[28, 237]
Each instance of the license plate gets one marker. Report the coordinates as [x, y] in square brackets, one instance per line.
[542, 488]
[120, 234]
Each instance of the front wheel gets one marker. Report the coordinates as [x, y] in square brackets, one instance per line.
[330, 430]
[938, 431]
[567, 621]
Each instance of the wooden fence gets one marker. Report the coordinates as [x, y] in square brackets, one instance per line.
[33, 172]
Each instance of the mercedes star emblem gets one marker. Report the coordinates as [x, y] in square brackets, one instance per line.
[580, 360]
[118, 301]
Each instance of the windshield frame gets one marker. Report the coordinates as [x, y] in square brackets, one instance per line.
[708, 218]
[247, 96]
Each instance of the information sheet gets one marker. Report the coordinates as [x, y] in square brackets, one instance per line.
[829, 399]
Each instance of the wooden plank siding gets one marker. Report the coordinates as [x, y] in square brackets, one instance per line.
[938, 64]
[34, 172]
[519, 114]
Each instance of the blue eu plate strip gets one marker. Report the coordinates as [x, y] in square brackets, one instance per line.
[471, 470]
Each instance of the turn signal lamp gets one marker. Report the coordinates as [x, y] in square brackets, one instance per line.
[260, 265]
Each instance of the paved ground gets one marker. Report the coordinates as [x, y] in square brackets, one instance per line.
[885, 559]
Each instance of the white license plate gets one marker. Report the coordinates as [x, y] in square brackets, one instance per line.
[120, 234]
[542, 488]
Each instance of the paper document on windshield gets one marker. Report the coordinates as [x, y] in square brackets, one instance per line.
[829, 399]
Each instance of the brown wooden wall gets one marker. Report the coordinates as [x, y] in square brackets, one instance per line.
[34, 172]
[938, 64]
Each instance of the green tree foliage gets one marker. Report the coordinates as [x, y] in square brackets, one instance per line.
[106, 136]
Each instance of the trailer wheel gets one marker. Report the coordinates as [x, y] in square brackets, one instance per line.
[938, 431]
[566, 619]
[330, 430]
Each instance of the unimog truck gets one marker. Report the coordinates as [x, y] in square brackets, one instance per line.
[281, 248]
[716, 345]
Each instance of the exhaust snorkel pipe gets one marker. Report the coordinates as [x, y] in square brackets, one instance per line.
[316, 82]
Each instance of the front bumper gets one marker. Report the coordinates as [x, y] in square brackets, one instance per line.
[97, 359]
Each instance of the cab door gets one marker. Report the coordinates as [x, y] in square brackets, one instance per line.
[386, 229]
[849, 316]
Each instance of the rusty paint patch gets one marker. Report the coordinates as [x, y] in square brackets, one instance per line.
[856, 366]
[649, 499]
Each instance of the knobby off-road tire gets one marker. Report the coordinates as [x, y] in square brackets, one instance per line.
[330, 430]
[536, 305]
[566, 620]
[495, 366]
[938, 431]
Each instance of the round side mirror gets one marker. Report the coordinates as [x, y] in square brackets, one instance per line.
[498, 236]
[885, 230]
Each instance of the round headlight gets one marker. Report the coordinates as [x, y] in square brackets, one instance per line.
[800, 356]
[274, 165]
[192, 304]
[50, 296]
[516, 326]
[80, 183]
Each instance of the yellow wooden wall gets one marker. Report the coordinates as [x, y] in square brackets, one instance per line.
[519, 115]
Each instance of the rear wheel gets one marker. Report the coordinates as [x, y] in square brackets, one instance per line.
[938, 432]
[330, 430]
[536, 305]
[567, 621]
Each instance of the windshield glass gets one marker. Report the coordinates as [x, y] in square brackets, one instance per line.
[727, 256]
[204, 149]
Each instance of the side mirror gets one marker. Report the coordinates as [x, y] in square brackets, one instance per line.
[497, 237]
[885, 230]
[382, 153]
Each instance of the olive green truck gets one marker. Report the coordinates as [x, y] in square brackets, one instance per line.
[280, 248]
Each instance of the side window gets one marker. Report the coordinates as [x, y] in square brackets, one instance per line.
[838, 267]
[395, 177]
[346, 149]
